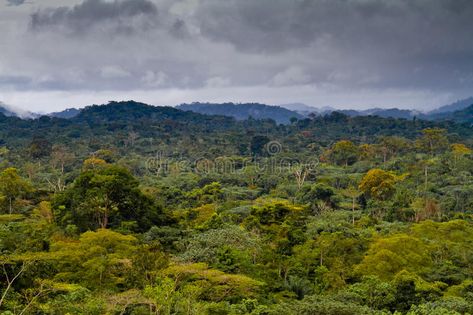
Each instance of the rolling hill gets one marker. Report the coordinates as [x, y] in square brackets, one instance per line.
[243, 111]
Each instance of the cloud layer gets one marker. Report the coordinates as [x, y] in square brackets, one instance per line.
[81, 18]
[15, 2]
[316, 47]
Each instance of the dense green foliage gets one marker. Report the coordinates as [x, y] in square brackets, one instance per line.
[133, 209]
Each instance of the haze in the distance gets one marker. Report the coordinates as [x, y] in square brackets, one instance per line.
[414, 54]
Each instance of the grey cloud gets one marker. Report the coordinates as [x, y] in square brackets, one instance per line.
[402, 43]
[15, 81]
[16, 2]
[125, 45]
[280, 24]
[84, 16]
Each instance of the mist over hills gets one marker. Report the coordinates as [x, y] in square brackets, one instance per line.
[464, 115]
[10, 111]
[443, 112]
[458, 105]
[456, 111]
[7, 112]
[284, 112]
[459, 111]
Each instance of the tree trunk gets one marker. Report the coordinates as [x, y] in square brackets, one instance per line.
[426, 181]
[353, 210]
[104, 222]
[12, 280]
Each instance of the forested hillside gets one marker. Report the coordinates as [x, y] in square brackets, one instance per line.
[244, 111]
[464, 115]
[127, 208]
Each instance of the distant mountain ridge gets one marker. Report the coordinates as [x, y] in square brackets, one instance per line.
[381, 112]
[458, 111]
[456, 106]
[464, 115]
[442, 112]
[387, 113]
[123, 120]
[243, 111]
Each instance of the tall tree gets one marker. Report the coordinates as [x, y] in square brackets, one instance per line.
[344, 152]
[379, 184]
[433, 139]
[106, 197]
[12, 187]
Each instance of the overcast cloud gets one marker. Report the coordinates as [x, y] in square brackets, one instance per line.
[344, 53]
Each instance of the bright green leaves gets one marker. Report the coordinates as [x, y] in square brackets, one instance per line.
[216, 285]
[97, 260]
[388, 256]
[433, 252]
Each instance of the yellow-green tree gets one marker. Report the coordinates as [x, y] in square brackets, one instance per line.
[391, 145]
[98, 260]
[459, 150]
[390, 255]
[215, 285]
[433, 139]
[12, 187]
[344, 152]
[93, 163]
[379, 184]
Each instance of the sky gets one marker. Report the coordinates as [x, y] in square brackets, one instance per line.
[57, 54]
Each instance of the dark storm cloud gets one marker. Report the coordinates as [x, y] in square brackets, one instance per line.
[410, 46]
[432, 36]
[89, 13]
[375, 43]
[272, 25]
[409, 43]
[15, 2]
